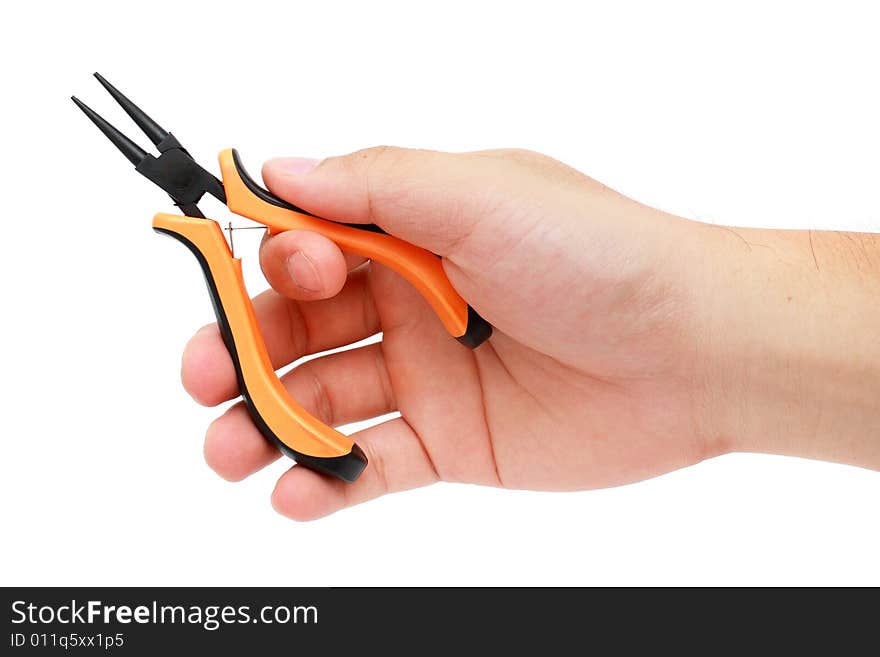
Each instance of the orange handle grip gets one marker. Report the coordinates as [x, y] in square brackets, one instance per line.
[421, 268]
[278, 416]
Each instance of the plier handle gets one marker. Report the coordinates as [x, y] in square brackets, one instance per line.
[278, 416]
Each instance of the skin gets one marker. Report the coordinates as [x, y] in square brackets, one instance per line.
[628, 342]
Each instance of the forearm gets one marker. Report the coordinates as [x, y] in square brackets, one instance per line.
[792, 337]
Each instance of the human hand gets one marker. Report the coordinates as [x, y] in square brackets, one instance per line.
[628, 342]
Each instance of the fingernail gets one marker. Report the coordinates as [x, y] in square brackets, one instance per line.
[303, 272]
[292, 166]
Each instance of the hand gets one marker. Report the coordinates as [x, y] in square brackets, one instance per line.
[628, 342]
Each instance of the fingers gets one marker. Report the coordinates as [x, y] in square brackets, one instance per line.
[397, 462]
[290, 329]
[428, 198]
[337, 389]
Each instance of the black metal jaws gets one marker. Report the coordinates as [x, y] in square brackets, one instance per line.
[174, 170]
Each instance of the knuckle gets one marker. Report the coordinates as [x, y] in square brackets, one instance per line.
[527, 158]
[384, 381]
[318, 395]
[395, 181]
[382, 171]
[368, 161]
[379, 157]
[527, 165]
[377, 462]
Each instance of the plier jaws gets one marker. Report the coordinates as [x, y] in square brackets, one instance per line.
[174, 170]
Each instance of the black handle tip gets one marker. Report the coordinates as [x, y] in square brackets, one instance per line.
[477, 332]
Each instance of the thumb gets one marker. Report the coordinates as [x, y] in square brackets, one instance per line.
[431, 199]
[532, 244]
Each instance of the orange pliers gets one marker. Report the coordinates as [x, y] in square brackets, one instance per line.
[277, 415]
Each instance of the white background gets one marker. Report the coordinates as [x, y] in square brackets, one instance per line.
[762, 114]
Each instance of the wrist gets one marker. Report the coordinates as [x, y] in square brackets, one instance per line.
[790, 356]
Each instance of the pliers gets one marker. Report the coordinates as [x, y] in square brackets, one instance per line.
[276, 414]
